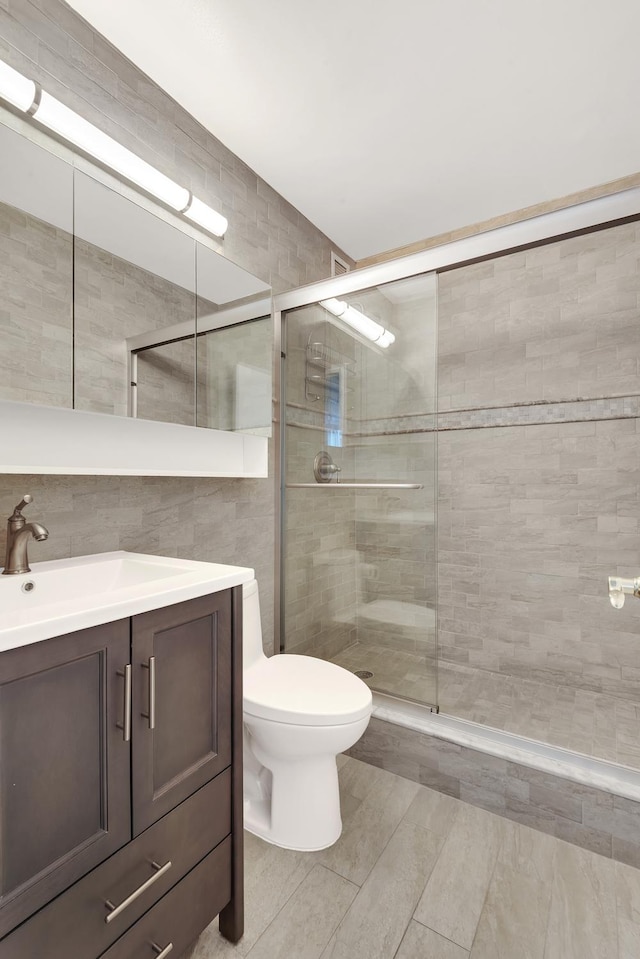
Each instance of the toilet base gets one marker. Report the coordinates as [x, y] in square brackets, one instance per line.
[303, 810]
[291, 791]
[256, 821]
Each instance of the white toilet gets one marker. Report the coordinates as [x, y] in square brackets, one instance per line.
[299, 713]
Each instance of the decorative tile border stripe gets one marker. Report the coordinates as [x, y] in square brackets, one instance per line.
[304, 418]
[581, 814]
[536, 414]
[388, 426]
[524, 414]
[393, 425]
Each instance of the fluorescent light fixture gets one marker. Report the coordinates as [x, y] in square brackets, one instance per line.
[67, 124]
[207, 217]
[21, 93]
[359, 322]
[15, 88]
[386, 339]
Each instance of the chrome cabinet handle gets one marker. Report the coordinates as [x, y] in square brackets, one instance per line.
[125, 725]
[151, 715]
[116, 910]
[160, 952]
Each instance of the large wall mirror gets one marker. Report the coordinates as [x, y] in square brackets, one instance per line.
[108, 307]
[36, 274]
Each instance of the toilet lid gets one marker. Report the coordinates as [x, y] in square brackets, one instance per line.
[304, 691]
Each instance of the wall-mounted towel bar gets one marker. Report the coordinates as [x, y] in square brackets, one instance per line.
[354, 485]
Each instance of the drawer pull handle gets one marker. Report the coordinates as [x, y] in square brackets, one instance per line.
[160, 952]
[151, 715]
[116, 910]
[125, 725]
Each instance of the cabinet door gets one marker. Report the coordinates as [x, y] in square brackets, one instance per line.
[65, 773]
[181, 702]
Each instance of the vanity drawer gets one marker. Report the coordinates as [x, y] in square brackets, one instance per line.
[182, 914]
[74, 924]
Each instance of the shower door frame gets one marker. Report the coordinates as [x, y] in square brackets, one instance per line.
[586, 217]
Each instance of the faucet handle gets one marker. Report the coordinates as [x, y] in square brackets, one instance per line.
[324, 467]
[17, 513]
[17, 519]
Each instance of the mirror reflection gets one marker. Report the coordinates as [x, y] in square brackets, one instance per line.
[234, 377]
[134, 274]
[36, 260]
[234, 348]
[164, 382]
[109, 308]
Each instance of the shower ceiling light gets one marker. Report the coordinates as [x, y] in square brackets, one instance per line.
[359, 322]
[15, 88]
[22, 93]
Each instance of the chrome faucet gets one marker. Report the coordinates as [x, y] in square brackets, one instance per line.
[18, 533]
[620, 587]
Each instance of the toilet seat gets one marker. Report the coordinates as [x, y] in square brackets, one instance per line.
[304, 691]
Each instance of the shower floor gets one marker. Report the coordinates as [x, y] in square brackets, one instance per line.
[591, 723]
[396, 672]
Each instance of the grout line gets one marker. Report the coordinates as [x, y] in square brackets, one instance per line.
[551, 898]
[446, 938]
[275, 916]
[486, 895]
[404, 935]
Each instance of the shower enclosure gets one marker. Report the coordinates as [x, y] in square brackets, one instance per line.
[358, 483]
[533, 330]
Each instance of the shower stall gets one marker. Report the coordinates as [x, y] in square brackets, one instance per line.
[458, 470]
[358, 470]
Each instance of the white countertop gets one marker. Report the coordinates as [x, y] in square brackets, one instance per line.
[72, 594]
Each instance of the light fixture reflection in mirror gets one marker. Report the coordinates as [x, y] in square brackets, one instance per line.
[359, 322]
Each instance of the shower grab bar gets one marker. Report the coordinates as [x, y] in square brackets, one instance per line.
[354, 485]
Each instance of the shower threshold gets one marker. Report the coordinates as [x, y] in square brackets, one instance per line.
[613, 777]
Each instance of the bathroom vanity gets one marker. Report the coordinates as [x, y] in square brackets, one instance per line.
[120, 756]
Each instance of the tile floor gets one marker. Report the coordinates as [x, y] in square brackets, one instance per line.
[419, 875]
[591, 723]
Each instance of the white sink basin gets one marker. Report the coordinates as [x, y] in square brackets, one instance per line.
[65, 595]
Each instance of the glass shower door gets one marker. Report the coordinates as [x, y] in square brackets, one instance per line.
[358, 534]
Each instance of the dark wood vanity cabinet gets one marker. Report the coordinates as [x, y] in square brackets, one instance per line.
[64, 765]
[181, 703]
[121, 785]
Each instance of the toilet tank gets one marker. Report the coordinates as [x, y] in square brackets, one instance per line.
[251, 626]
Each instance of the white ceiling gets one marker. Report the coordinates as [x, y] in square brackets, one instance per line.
[387, 122]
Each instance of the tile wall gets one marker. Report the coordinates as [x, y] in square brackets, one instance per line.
[35, 312]
[578, 813]
[228, 521]
[114, 299]
[539, 465]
